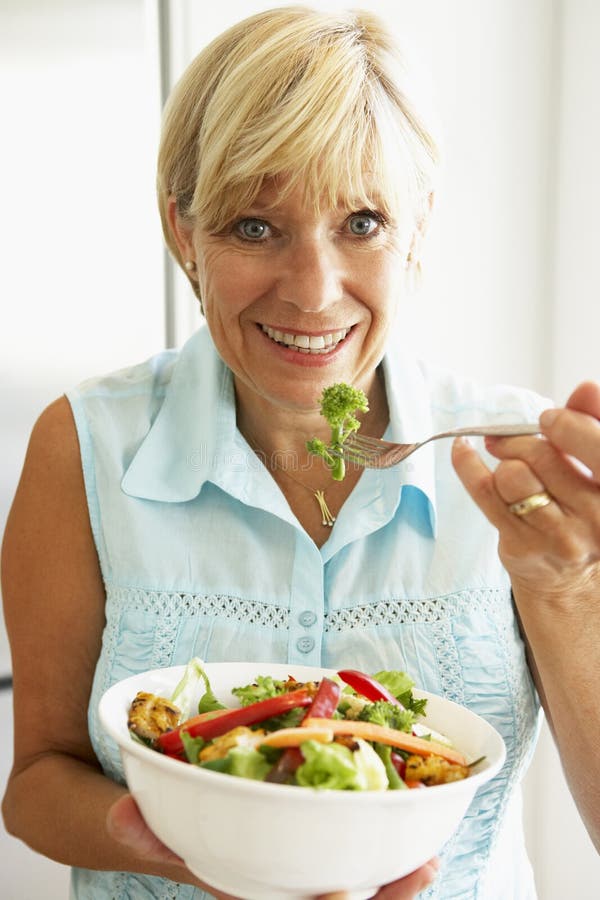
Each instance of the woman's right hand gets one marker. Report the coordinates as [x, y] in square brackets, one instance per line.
[126, 825]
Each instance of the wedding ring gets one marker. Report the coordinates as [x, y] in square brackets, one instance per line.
[528, 504]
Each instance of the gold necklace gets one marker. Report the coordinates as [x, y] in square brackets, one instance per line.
[327, 518]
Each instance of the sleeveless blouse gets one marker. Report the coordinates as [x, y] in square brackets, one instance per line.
[202, 556]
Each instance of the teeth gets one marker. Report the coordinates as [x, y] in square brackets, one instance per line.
[304, 343]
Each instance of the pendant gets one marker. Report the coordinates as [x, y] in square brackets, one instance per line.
[328, 519]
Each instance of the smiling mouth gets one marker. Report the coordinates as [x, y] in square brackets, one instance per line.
[316, 344]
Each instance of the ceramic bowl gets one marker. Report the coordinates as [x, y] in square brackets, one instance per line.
[262, 841]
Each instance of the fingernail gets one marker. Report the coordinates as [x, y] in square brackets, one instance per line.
[463, 441]
[548, 417]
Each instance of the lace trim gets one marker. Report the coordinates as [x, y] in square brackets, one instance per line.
[434, 610]
[430, 610]
[177, 605]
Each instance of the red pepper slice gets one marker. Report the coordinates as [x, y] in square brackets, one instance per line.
[170, 742]
[367, 686]
[323, 706]
[326, 700]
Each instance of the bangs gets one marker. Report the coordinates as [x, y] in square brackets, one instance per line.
[323, 120]
[354, 174]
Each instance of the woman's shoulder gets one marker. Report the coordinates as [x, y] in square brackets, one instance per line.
[54, 435]
[51, 478]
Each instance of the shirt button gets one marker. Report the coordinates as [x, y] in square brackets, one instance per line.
[305, 644]
[307, 618]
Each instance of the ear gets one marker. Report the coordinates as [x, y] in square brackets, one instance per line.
[181, 230]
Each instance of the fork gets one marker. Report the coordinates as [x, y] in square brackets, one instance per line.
[373, 453]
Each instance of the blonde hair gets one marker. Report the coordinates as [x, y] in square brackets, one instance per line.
[321, 98]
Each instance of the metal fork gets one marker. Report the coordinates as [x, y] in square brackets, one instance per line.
[373, 453]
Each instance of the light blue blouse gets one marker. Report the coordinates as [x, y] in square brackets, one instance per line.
[202, 556]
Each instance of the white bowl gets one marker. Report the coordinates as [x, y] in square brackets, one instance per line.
[263, 841]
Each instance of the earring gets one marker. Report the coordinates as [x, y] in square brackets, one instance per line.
[190, 265]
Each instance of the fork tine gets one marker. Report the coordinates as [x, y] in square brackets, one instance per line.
[358, 457]
[364, 443]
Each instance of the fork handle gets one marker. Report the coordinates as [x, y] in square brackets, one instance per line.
[499, 430]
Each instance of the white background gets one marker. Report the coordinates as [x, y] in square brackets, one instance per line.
[511, 266]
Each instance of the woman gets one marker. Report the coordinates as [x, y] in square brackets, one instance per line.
[295, 181]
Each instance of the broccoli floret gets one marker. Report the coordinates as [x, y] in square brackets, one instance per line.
[383, 713]
[339, 402]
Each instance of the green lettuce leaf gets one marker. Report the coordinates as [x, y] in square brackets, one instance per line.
[264, 688]
[243, 761]
[192, 747]
[187, 687]
[400, 685]
[336, 767]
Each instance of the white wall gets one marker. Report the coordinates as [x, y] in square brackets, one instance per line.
[81, 275]
[511, 277]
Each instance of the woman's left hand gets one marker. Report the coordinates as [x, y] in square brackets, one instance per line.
[550, 546]
[555, 548]
[406, 888]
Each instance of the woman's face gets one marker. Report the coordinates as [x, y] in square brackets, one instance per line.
[297, 301]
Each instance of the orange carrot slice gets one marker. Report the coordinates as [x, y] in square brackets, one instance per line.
[293, 737]
[204, 717]
[370, 732]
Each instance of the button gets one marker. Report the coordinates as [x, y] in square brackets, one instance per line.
[307, 618]
[305, 644]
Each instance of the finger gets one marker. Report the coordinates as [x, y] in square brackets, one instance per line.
[549, 466]
[404, 889]
[576, 433]
[586, 399]
[410, 886]
[126, 825]
[515, 480]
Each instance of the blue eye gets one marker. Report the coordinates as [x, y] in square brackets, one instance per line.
[252, 229]
[364, 223]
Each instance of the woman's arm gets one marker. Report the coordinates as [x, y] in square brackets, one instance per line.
[553, 557]
[57, 798]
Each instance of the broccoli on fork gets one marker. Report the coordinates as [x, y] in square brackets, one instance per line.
[339, 402]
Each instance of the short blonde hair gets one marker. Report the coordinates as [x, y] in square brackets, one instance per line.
[321, 98]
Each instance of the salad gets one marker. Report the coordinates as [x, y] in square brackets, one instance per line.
[352, 731]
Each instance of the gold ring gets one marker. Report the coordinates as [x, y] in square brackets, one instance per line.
[528, 504]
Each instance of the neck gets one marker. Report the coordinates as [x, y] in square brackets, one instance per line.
[281, 433]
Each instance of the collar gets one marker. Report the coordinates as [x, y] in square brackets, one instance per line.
[178, 453]
[194, 439]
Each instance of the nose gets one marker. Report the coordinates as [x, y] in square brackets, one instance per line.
[311, 276]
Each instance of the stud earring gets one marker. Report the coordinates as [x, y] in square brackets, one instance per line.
[190, 265]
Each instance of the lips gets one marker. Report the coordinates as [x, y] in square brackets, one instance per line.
[315, 344]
